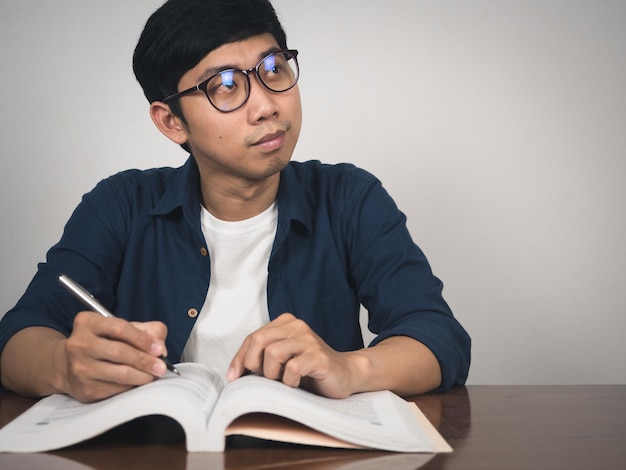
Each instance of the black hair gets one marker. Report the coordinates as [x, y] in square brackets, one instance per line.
[182, 32]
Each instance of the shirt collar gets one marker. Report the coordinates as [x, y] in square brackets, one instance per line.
[294, 202]
[183, 193]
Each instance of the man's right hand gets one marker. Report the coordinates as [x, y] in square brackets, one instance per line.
[102, 357]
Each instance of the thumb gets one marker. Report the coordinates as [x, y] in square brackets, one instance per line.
[236, 369]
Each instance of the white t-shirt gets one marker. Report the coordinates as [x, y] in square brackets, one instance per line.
[236, 302]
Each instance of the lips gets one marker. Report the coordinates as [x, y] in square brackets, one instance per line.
[270, 138]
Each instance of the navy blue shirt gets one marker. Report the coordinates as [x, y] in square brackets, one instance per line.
[136, 243]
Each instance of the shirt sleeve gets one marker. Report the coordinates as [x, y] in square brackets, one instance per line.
[396, 285]
[89, 251]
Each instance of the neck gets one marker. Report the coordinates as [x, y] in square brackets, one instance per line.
[240, 199]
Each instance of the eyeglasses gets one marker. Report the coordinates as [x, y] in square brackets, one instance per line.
[229, 89]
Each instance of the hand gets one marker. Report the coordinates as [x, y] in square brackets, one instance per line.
[106, 356]
[288, 350]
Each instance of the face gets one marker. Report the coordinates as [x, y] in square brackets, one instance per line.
[254, 142]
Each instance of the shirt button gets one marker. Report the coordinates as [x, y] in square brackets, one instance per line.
[204, 251]
[192, 313]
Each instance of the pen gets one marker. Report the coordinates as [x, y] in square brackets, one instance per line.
[90, 301]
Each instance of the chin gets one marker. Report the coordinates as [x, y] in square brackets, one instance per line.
[275, 166]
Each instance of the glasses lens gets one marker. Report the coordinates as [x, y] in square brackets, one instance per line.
[279, 71]
[228, 90]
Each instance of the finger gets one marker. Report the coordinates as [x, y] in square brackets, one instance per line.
[304, 366]
[313, 363]
[242, 359]
[120, 330]
[92, 355]
[277, 354]
[122, 353]
[90, 378]
[250, 355]
[235, 370]
[158, 331]
[114, 340]
[108, 384]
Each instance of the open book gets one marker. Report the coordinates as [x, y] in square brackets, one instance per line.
[208, 411]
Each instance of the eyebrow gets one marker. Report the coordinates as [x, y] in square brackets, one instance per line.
[220, 68]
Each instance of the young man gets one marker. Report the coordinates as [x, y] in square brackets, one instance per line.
[240, 259]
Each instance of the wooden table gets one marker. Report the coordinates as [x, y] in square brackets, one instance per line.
[499, 427]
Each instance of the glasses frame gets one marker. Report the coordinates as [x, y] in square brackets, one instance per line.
[202, 86]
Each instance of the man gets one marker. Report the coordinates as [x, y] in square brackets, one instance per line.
[240, 259]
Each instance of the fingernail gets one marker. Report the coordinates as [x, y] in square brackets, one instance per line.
[156, 349]
[159, 368]
[230, 375]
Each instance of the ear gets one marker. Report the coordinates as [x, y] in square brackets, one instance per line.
[169, 125]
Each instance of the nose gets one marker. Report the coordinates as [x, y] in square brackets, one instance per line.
[262, 103]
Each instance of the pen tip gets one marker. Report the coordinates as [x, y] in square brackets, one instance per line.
[170, 366]
[173, 368]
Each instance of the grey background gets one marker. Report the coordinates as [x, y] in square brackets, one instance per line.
[498, 126]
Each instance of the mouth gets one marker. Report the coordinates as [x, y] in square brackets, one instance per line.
[269, 139]
[270, 142]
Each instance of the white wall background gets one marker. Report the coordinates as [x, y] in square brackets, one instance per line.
[498, 126]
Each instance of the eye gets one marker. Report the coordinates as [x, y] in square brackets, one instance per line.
[272, 67]
[269, 63]
[223, 82]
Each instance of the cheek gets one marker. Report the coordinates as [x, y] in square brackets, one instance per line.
[297, 111]
[297, 119]
[297, 102]
[222, 137]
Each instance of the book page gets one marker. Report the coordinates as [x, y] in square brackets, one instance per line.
[59, 420]
[280, 429]
[379, 420]
[277, 428]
